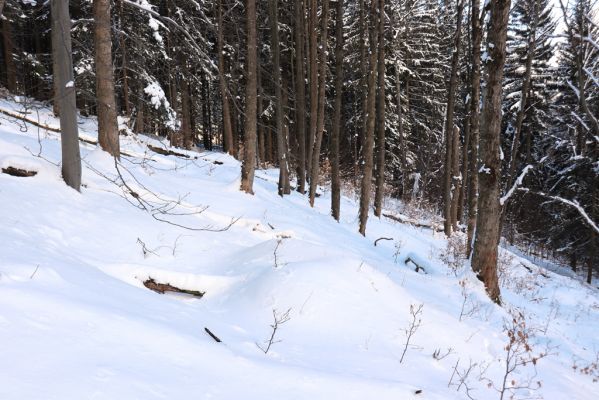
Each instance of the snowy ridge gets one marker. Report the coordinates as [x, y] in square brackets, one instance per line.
[77, 322]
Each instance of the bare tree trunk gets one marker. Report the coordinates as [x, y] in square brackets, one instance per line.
[249, 154]
[315, 170]
[276, 62]
[229, 147]
[484, 259]
[380, 125]
[402, 144]
[108, 133]
[63, 75]
[313, 22]
[455, 174]
[1, 6]
[448, 192]
[125, 66]
[300, 95]
[474, 124]
[186, 107]
[369, 134]
[11, 69]
[336, 128]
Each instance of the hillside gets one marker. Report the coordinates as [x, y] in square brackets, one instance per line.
[77, 322]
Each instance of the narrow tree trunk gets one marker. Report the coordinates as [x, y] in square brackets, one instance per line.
[380, 125]
[448, 192]
[11, 69]
[369, 134]
[249, 155]
[300, 96]
[336, 128]
[227, 130]
[474, 124]
[63, 75]
[108, 133]
[313, 23]
[455, 176]
[125, 66]
[185, 107]
[484, 259]
[276, 63]
[402, 144]
[315, 169]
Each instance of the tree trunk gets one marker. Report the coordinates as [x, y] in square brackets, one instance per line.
[108, 133]
[336, 128]
[402, 144]
[455, 176]
[249, 154]
[315, 169]
[125, 66]
[313, 22]
[227, 130]
[380, 125]
[474, 124]
[484, 259]
[448, 190]
[63, 74]
[369, 133]
[11, 69]
[276, 62]
[185, 106]
[300, 96]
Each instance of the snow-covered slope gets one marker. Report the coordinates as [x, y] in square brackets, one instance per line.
[76, 321]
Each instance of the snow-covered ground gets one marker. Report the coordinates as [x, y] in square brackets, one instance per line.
[76, 321]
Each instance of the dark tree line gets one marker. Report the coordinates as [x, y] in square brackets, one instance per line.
[485, 112]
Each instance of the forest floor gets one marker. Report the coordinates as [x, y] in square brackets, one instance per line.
[354, 320]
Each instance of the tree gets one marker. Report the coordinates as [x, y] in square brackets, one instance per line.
[336, 128]
[476, 22]
[380, 124]
[226, 113]
[315, 169]
[249, 156]
[65, 81]
[450, 181]
[108, 133]
[374, 20]
[484, 259]
[283, 186]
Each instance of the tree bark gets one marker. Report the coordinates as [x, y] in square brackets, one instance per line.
[380, 125]
[249, 154]
[484, 259]
[336, 128]
[448, 191]
[300, 96]
[474, 124]
[276, 62]
[11, 69]
[315, 169]
[227, 129]
[312, 23]
[402, 144]
[369, 133]
[63, 75]
[108, 134]
[455, 174]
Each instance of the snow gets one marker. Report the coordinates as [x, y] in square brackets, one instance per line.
[78, 323]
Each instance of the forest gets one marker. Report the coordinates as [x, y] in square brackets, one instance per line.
[483, 113]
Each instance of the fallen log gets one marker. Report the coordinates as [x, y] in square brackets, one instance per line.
[416, 223]
[18, 172]
[167, 287]
[166, 152]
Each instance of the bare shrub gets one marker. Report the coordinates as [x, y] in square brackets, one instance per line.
[416, 313]
[454, 254]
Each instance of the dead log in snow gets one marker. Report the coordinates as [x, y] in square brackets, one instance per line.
[18, 172]
[166, 152]
[167, 287]
[413, 222]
